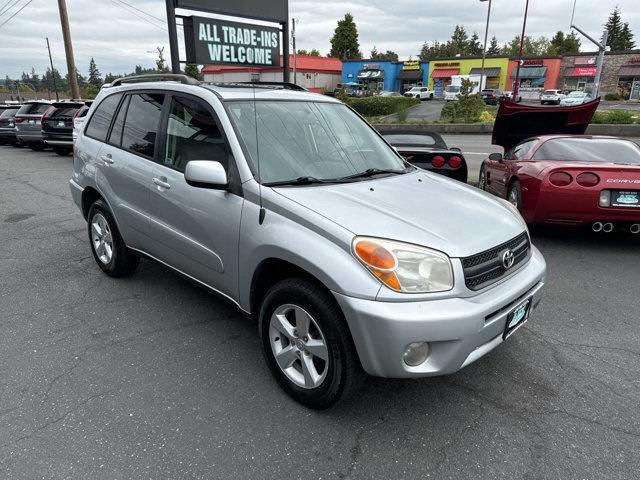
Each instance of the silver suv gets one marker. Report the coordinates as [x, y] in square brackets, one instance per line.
[291, 206]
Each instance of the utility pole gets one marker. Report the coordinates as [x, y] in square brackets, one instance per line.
[484, 50]
[68, 48]
[516, 85]
[293, 42]
[53, 75]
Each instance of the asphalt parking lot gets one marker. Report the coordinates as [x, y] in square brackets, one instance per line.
[152, 377]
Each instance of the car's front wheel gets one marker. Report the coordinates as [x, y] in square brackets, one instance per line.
[482, 179]
[108, 248]
[62, 151]
[514, 195]
[307, 344]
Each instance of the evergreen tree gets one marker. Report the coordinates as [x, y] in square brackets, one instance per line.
[619, 36]
[571, 43]
[109, 77]
[475, 47]
[556, 46]
[314, 53]
[193, 71]
[493, 48]
[94, 74]
[344, 43]
[459, 41]
[388, 55]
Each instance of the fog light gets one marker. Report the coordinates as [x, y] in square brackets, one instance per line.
[416, 353]
[605, 198]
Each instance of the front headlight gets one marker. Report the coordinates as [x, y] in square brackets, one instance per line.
[404, 267]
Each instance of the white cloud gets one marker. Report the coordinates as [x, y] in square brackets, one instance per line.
[118, 39]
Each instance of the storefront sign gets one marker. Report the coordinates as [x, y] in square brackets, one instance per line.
[584, 61]
[584, 72]
[371, 66]
[411, 65]
[210, 41]
[272, 11]
[532, 62]
[447, 64]
[635, 59]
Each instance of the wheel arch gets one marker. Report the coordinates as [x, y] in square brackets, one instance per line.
[89, 196]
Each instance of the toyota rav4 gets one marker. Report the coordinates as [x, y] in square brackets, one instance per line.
[291, 206]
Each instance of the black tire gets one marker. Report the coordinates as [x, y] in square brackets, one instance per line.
[514, 194]
[62, 151]
[431, 96]
[36, 147]
[344, 374]
[482, 179]
[123, 261]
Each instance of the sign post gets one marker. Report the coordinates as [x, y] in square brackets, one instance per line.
[215, 41]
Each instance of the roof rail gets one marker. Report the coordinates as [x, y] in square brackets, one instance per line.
[282, 85]
[156, 77]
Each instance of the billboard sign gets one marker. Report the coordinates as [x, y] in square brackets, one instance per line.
[271, 10]
[210, 41]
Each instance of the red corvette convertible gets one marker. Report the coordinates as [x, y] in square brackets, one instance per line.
[556, 175]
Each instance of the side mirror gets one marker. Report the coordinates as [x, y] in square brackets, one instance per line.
[496, 157]
[206, 174]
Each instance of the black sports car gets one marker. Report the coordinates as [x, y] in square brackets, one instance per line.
[427, 150]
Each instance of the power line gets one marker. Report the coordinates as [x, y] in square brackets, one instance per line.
[22, 8]
[142, 11]
[4, 10]
[139, 16]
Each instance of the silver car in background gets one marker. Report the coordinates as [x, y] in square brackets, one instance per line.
[291, 206]
[28, 123]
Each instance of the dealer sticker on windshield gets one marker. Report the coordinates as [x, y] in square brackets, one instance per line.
[625, 199]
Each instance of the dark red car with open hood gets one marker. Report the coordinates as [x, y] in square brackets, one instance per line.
[557, 175]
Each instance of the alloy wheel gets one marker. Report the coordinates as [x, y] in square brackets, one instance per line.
[298, 346]
[101, 238]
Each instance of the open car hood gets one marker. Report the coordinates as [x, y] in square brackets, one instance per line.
[516, 122]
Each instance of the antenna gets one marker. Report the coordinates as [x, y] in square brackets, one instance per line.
[255, 121]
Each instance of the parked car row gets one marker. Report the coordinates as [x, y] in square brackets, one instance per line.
[40, 124]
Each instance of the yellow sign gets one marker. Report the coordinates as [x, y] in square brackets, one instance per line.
[411, 65]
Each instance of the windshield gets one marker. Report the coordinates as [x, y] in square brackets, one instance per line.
[321, 140]
[453, 89]
[603, 150]
[8, 112]
[577, 94]
[550, 92]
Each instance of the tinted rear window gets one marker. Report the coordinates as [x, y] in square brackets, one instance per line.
[101, 118]
[409, 139]
[33, 109]
[8, 112]
[141, 124]
[602, 150]
[64, 112]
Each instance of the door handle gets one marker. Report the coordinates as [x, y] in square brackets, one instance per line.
[107, 159]
[161, 183]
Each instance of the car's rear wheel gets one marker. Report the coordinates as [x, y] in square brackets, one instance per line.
[514, 195]
[482, 179]
[307, 344]
[62, 151]
[108, 248]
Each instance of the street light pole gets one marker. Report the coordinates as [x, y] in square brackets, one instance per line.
[524, 25]
[484, 49]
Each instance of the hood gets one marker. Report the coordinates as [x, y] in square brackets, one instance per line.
[516, 122]
[420, 208]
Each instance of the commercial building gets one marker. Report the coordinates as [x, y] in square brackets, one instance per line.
[536, 74]
[620, 73]
[378, 75]
[316, 74]
[441, 70]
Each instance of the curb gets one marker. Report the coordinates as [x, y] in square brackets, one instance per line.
[632, 130]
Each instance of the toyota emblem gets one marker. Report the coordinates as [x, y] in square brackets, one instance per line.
[508, 258]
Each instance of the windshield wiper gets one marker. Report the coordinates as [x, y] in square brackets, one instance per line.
[297, 181]
[370, 172]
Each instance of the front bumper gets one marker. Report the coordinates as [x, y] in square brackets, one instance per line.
[459, 330]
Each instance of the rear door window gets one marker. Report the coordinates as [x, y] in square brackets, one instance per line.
[192, 134]
[142, 122]
[115, 137]
[101, 119]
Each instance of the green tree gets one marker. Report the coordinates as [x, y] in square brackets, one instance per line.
[344, 43]
[110, 77]
[459, 41]
[314, 52]
[434, 50]
[475, 47]
[620, 36]
[493, 48]
[94, 75]
[389, 55]
[562, 44]
[193, 71]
